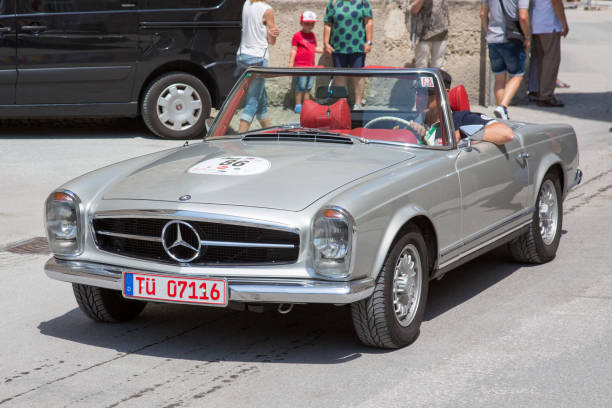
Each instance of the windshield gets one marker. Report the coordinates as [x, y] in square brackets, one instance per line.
[401, 108]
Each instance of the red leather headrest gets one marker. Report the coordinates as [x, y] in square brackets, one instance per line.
[335, 116]
[458, 99]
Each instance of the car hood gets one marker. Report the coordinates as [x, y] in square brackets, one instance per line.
[280, 175]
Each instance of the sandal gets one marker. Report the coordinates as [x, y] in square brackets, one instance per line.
[561, 84]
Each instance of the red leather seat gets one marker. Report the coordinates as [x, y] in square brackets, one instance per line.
[326, 117]
[458, 99]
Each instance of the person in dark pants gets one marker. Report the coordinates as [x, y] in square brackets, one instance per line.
[347, 36]
[548, 24]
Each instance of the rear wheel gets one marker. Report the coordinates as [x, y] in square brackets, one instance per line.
[540, 243]
[106, 305]
[391, 317]
[176, 106]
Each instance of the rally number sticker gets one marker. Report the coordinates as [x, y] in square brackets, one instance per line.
[427, 82]
[232, 166]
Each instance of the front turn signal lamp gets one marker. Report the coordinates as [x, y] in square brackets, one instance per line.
[62, 216]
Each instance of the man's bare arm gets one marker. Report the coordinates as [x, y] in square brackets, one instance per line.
[498, 133]
[560, 13]
[524, 22]
[484, 16]
[273, 31]
[415, 7]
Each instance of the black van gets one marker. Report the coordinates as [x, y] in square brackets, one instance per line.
[169, 61]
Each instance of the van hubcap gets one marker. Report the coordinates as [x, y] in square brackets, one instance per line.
[179, 107]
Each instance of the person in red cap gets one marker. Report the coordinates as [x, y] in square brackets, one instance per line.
[303, 49]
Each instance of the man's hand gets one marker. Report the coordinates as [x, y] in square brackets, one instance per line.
[328, 49]
[274, 31]
[565, 30]
[418, 128]
[527, 45]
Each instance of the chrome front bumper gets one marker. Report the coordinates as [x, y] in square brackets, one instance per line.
[240, 289]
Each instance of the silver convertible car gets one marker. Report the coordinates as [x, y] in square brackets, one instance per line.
[341, 203]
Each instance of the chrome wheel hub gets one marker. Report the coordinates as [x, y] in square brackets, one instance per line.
[548, 212]
[407, 285]
[179, 107]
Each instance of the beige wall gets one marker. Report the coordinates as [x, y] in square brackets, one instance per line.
[392, 37]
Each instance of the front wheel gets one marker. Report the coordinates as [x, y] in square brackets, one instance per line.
[106, 305]
[539, 244]
[391, 317]
[176, 106]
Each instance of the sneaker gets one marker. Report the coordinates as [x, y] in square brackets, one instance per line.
[298, 108]
[501, 112]
[357, 106]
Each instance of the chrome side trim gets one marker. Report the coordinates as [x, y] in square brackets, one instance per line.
[129, 236]
[207, 243]
[488, 231]
[484, 244]
[195, 216]
[273, 290]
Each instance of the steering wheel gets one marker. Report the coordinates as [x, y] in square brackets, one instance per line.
[388, 118]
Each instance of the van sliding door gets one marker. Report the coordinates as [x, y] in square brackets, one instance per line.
[75, 51]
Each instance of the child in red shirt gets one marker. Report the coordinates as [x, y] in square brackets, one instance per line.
[303, 49]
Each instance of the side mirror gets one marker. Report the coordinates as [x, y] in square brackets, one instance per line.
[468, 131]
[208, 122]
[325, 92]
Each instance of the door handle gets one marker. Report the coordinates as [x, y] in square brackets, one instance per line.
[5, 29]
[523, 156]
[33, 28]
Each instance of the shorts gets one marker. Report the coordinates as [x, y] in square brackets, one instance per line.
[304, 83]
[353, 60]
[507, 57]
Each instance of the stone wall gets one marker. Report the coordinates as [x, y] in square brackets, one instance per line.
[392, 38]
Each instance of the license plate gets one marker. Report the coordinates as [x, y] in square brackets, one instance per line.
[212, 292]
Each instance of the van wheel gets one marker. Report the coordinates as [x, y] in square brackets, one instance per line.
[176, 106]
[391, 317]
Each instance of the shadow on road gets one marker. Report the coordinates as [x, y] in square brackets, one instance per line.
[582, 105]
[314, 334]
[469, 280]
[103, 128]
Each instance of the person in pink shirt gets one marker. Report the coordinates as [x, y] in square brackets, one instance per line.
[303, 49]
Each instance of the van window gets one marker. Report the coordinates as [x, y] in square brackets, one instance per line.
[66, 6]
[174, 4]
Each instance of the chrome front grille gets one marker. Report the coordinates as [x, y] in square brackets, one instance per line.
[221, 243]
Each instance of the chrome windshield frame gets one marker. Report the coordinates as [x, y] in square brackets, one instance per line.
[445, 110]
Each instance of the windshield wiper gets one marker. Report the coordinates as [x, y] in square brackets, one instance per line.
[300, 132]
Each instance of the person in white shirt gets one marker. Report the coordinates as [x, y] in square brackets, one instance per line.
[258, 32]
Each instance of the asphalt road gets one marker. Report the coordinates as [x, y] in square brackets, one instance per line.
[496, 333]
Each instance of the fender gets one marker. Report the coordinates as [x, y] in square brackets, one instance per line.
[548, 160]
[399, 219]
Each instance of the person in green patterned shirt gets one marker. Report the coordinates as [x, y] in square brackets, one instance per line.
[347, 36]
